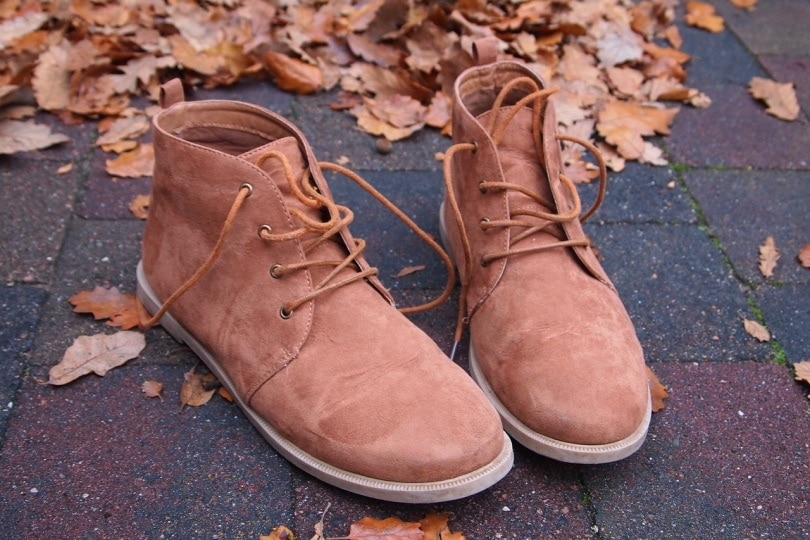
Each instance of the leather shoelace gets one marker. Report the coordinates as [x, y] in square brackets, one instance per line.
[527, 220]
[339, 218]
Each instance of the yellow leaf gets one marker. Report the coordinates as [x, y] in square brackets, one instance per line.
[779, 97]
[756, 330]
[768, 255]
[97, 354]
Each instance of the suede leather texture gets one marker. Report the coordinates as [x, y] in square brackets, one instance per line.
[346, 378]
[549, 331]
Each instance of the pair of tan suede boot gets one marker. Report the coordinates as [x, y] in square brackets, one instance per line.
[248, 260]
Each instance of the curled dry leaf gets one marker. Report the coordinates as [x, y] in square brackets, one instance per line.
[293, 75]
[779, 97]
[152, 389]
[756, 330]
[804, 256]
[434, 526]
[96, 354]
[64, 169]
[744, 4]
[197, 389]
[768, 256]
[658, 392]
[139, 206]
[624, 124]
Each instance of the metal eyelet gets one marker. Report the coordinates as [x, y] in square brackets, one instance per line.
[481, 187]
[249, 188]
[484, 262]
[266, 228]
[475, 147]
[285, 313]
[484, 219]
[274, 271]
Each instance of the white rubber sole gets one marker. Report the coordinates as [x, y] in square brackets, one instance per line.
[539, 443]
[403, 492]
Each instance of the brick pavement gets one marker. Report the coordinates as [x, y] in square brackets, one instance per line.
[727, 458]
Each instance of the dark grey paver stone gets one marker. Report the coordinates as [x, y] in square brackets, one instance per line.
[37, 208]
[736, 132]
[19, 312]
[743, 208]
[685, 303]
[97, 459]
[717, 59]
[108, 197]
[539, 498]
[640, 194]
[791, 69]
[786, 309]
[773, 27]
[727, 458]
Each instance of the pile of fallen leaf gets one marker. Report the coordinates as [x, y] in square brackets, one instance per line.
[617, 64]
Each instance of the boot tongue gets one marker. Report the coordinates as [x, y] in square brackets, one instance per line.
[519, 159]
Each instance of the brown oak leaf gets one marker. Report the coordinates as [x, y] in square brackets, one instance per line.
[278, 533]
[120, 308]
[133, 164]
[624, 124]
[17, 136]
[702, 15]
[768, 256]
[435, 527]
[756, 330]
[197, 389]
[409, 270]
[139, 206]
[97, 354]
[391, 528]
[779, 97]
[293, 75]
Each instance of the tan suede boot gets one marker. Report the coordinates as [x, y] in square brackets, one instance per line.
[255, 269]
[551, 343]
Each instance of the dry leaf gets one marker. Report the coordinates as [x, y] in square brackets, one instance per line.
[137, 163]
[624, 124]
[391, 528]
[756, 330]
[744, 4]
[64, 169]
[197, 389]
[658, 392]
[123, 128]
[293, 75]
[802, 370]
[434, 526]
[139, 206]
[225, 394]
[17, 136]
[98, 354]
[121, 309]
[702, 15]
[152, 389]
[804, 256]
[768, 255]
[279, 533]
[779, 97]
[410, 270]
